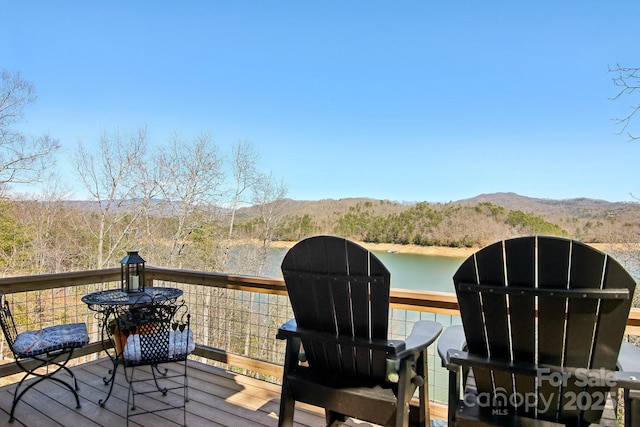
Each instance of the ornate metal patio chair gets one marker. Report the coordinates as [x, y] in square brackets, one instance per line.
[338, 352]
[542, 325]
[42, 353]
[153, 334]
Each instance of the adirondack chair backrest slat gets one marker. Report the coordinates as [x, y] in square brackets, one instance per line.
[338, 287]
[544, 300]
[614, 315]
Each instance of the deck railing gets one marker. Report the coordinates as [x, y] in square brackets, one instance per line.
[234, 318]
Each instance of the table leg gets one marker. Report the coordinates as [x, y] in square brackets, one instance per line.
[112, 353]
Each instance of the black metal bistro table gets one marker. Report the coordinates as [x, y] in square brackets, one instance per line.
[109, 305]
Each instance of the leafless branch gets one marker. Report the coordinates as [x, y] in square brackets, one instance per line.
[627, 80]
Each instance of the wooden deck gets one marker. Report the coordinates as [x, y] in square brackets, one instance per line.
[216, 398]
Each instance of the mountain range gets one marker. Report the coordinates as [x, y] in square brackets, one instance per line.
[484, 217]
[581, 207]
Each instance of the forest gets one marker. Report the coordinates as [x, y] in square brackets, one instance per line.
[46, 236]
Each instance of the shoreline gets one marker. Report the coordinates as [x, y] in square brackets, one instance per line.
[436, 250]
[420, 250]
[403, 249]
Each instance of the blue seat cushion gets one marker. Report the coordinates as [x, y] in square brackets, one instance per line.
[33, 343]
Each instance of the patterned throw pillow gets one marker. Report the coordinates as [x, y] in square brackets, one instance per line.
[33, 343]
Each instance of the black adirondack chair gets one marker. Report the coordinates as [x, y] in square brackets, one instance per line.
[543, 320]
[337, 347]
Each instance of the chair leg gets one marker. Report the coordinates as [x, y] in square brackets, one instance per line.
[46, 360]
[631, 408]
[19, 393]
[404, 394]
[287, 406]
[131, 395]
[186, 382]
[454, 395]
[155, 371]
[149, 379]
[185, 394]
[422, 369]
[287, 400]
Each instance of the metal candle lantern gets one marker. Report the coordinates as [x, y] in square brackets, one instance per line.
[132, 272]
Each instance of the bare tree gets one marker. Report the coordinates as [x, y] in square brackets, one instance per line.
[244, 158]
[55, 243]
[268, 197]
[191, 183]
[627, 80]
[22, 157]
[114, 176]
[13, 237]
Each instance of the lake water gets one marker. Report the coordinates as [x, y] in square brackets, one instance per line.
[408, 271]
[423, 272]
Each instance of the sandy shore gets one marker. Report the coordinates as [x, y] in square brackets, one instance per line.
[404, 249]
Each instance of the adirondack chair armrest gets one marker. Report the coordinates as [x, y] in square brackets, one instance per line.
[462, 358]
[291, 330]
[285, 330]
[423, 334]
[629, 358]
[630, 380]
[628, 375]
[452, 338]
[456, 359]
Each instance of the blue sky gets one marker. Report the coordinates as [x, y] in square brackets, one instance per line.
[426, 100]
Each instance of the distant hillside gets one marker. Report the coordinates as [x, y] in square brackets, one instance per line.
[580, 207]
[327, 211]
[469, 222]
[614, 219]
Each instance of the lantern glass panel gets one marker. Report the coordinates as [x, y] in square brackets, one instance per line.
[132, 273]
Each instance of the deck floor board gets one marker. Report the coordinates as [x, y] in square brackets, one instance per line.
[216, 398]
